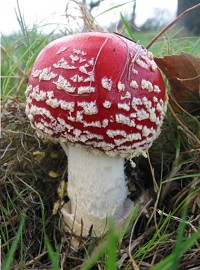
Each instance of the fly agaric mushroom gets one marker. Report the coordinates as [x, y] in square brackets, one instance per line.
[103, 98]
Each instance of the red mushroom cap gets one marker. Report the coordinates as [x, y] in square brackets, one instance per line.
[99, 90]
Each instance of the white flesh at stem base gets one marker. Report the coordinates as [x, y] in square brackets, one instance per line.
[97, 191]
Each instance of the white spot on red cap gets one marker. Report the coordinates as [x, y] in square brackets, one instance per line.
[91, 62]
[135, 71]
[150, 55]
[81, 60]
[46, 74]
[139, 127]
[106, 83]
[159, 107]
[28, 90]
[156, 89]
[77, 78]
[115, 132]
[63, 64]
[83, 69]
[53, 102]
[154, 67]
[36, 72]
[141, 63]
[126, 96]
[64, 84]
[142, 115]
[42, 127]
[121, 118]
[96, 124]
[152, 116]
[74, 58]
[145, 84]
[86, 90]
[107, 104]
[77, 132]
[129, 138]
[105, 123]
[120, 86]
[155, 99]
[89, 108]
[146, 131]
[50, 94]
[124, 106]
[67, 105]
[80, 52]
[133, 84]
[62, 49]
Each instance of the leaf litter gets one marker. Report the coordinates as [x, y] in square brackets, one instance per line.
[183, 73]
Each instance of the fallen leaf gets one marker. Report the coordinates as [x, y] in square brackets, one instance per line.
[62, 189]
[39, 156]
[183, 73]
[53, 174]
[54, 155]
[56, 206]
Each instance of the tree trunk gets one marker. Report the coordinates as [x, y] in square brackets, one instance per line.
[191, 22]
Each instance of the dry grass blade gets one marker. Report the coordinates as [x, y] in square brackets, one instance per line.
[194, 139]
[171, 24]
[89, 23]
[134, 244]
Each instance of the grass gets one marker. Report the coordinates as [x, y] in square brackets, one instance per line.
[163, 236]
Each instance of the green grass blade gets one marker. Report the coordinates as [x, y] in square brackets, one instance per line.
[127, 27]
[94, 258]
[112, 250]
[169, 262]
[54, 256]
[21, 254]
[10, 257]
[179, 241]
[114, 7]
[128, 224]
[182, 177]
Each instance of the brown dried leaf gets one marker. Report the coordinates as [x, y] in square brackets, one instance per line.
[183, 73]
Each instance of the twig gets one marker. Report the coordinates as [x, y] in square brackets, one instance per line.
[22, 23]
[134, 265]
[175, 169]
[36, 258]
[133, 228]
[160, 212]
[184, 128]
[135, 243]
[183, 110]
[155, 185]
[172, 23]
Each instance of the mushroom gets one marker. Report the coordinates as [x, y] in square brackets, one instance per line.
[103, 98]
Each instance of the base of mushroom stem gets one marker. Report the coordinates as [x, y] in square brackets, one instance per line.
[98, 225]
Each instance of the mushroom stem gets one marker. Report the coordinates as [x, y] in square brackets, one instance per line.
[97, 191]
